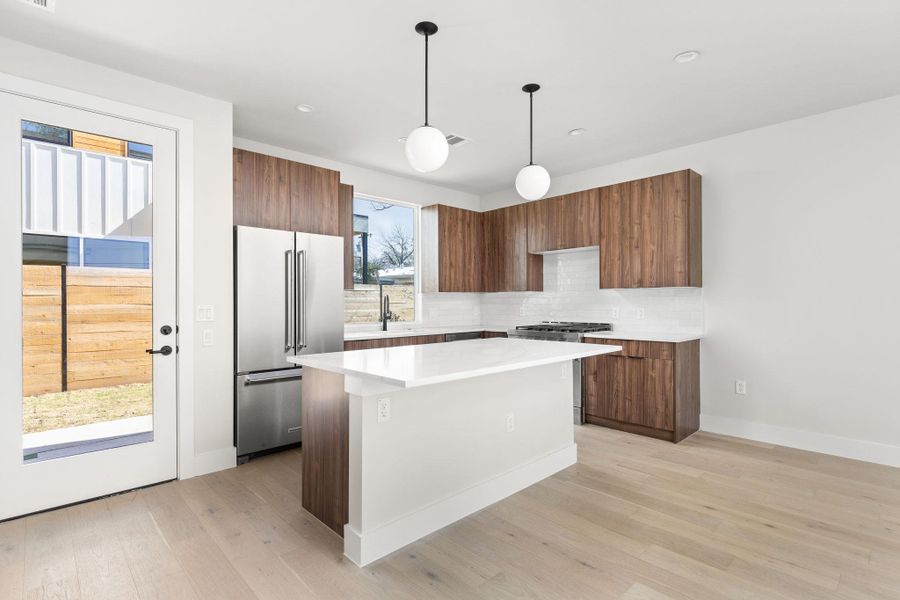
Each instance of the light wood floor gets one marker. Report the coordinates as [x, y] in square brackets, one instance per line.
[713, 517]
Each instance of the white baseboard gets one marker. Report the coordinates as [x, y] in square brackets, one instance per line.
[363, 548]
[209, 462]
[874, 452]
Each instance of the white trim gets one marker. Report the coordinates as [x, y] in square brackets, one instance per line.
[210, 462]
[825, 443]
[184, 129]
[363, 549]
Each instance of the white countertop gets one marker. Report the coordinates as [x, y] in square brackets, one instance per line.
[426, 364]
[646, 336]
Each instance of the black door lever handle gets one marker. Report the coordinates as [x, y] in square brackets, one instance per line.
[165, 350]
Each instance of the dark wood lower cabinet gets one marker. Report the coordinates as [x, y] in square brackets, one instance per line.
[650, 388]
[393, 341]
[493, 334]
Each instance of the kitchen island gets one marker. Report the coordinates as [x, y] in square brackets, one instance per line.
[399, 442]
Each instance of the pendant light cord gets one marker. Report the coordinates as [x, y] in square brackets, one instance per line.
[426, 81]
[530, 128]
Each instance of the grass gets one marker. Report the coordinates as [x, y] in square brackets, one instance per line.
[57, 410]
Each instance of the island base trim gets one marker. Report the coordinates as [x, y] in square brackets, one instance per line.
[364, 548]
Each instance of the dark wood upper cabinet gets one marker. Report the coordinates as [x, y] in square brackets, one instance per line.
[261, 190]
[561, 222]
[451, 241]
[345, 224]
[508, 267]
[650, 232]
[276, 193]
[314, 199]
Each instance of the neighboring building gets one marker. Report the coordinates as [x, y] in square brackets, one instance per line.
[398, 275]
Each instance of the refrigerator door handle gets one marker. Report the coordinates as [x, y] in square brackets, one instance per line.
[300, 300]
[288, 342]
[303, 343]
[272, 378]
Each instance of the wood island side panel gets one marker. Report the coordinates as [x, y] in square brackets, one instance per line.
[326, 425]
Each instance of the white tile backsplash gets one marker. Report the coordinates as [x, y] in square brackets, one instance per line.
[451, 310]
[571, 293]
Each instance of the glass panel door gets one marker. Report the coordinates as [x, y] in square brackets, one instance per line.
[88, 252]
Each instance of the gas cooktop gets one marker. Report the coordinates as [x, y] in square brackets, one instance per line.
[567, 327]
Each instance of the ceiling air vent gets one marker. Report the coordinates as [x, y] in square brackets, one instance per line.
[457, 140]
[48, 5]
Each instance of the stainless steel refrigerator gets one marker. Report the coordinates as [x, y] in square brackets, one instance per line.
[289, 300]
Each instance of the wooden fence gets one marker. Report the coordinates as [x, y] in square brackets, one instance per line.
[363, 304]
[108, 327]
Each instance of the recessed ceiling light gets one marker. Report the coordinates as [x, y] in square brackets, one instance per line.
[686, 56]
[304, 108]
[577, 131]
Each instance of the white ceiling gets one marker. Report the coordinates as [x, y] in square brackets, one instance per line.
[605, 65]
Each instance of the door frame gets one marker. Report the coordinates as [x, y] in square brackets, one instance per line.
[186, 465]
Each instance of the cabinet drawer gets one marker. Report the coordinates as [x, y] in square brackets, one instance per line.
[639, 348]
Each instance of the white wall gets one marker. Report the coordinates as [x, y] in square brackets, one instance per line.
[209, 226]
[800, 263]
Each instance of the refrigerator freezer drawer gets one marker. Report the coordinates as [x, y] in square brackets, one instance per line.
[268, 410]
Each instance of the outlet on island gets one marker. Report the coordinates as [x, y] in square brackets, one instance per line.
[510, 422]
[384, 410]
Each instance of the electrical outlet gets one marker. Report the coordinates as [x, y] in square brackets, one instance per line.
[510, 422]
[209, 337]
[740, 387]
[615, 312]
[639, 313]
[384, 410]
[565, 370]
[206, 312]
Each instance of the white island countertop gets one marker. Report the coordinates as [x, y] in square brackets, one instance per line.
[427, 364]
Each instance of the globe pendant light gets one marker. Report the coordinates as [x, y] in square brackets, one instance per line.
[533, 180]
[426, 147]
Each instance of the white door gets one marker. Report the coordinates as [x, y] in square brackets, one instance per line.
[87, 265]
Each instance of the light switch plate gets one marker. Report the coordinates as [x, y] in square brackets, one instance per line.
[206, 313]
[209, 337]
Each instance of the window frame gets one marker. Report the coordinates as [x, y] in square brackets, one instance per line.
[417, 267]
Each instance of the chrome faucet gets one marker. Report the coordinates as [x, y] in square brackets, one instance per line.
[385, 312]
